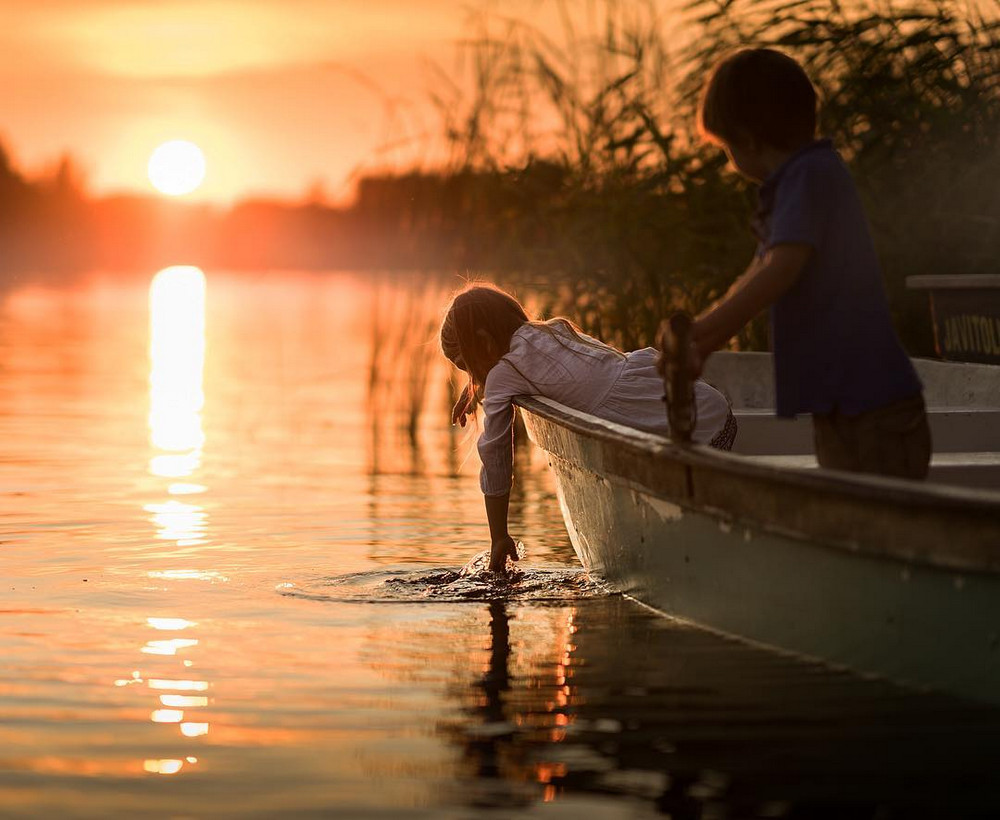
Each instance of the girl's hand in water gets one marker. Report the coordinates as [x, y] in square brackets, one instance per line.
[499, 550]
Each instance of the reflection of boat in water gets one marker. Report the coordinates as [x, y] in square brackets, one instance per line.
[890, 577]
[702, 726]
[641, 716]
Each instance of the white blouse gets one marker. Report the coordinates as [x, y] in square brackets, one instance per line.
[594, 378]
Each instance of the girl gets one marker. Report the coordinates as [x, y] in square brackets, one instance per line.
[487, 334]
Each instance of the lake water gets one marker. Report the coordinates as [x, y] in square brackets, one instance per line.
[222, 557]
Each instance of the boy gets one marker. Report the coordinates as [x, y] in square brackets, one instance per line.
[836, 355]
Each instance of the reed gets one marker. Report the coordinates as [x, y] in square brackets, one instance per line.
[405, 359]
[576, 176]
[615, 211]
[910, 93]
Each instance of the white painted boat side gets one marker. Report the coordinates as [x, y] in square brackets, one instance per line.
[884, 576]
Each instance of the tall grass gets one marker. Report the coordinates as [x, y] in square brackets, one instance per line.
[577, 172]
[611, 212]
[617, 211]
[408, 374]
[405, 361]
[910, 93]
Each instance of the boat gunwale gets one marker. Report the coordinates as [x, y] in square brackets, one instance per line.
[954, 281]
[902, 496]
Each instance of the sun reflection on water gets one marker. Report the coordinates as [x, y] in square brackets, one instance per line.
[177, 521]
[174, 708]
[170, 623]
[167, 766]
[177, 358]
[168, 647]
[176, 399]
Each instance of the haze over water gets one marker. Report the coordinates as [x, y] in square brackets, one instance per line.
[190, 467]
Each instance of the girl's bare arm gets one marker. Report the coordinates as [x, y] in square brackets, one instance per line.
[501, 544]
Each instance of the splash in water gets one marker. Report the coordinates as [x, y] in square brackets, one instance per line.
[479, 566]
[473, 582]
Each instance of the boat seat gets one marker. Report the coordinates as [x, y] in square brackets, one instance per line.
[963, 469]
[953, 430]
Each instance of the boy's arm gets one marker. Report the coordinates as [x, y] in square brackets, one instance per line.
[764, 281]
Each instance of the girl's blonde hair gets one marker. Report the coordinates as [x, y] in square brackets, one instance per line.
[477, 329]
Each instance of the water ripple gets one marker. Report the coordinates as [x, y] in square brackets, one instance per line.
[473, 583]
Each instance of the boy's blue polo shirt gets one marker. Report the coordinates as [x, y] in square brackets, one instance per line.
[831, 332]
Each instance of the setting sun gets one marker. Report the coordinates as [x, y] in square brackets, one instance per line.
[177, 167]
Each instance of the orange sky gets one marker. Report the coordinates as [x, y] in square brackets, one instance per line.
[280, 94]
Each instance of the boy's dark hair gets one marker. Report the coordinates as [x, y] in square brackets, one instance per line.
[759, 94]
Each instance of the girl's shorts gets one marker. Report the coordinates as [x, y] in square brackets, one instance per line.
[727, 435]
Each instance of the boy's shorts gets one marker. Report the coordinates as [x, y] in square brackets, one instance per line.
[894, 440]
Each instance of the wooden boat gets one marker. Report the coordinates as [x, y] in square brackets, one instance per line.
[887, 577]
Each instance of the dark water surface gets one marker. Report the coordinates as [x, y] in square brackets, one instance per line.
[227, 592]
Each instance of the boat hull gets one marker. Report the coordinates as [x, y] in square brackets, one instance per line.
[884, 577]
